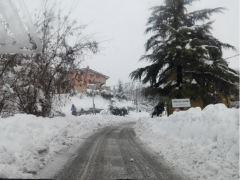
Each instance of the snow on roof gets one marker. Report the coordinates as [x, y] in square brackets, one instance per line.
[85, 69]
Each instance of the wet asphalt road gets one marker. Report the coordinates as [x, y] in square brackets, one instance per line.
[115, 153]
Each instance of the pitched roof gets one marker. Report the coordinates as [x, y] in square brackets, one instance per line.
[85, 69]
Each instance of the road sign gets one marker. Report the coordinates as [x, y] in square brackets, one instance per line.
[177, 103]
[92, 86]
[176, 109]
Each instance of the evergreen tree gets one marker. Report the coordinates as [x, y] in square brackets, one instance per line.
[186, 59]
[114, 91]
[120, 87]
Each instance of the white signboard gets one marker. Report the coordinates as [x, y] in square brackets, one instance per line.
[178, 103]
[91, 86]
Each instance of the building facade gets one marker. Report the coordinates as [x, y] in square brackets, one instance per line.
[80, 78]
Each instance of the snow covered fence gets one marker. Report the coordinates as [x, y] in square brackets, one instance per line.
[203, 143]
[28, 142]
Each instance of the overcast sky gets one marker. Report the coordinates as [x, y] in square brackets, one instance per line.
[122, 24]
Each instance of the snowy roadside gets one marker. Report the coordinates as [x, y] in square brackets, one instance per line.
[204, 144]
[28, 143]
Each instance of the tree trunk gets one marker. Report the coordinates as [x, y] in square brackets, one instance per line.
[1, 107]
[179, 80]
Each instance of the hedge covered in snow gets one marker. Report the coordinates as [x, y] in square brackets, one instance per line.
[106, 94]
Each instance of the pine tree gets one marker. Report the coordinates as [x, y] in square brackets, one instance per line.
[120, 87]
[186, 58]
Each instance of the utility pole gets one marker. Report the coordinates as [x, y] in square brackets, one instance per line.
[114, 91]
[93, 101]
[136, 101]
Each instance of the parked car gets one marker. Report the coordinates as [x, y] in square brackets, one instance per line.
[97, 110]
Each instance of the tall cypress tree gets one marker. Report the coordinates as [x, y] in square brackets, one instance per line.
[120, 86]
[186, 60]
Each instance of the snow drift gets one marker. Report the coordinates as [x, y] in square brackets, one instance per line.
[204, 144]
[28, 142]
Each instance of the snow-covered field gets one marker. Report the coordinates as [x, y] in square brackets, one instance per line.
[87, 102]
[28, 143]
[204, 144]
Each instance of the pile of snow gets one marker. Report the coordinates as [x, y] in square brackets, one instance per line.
[204, 144]
[138, 115]
[28, 142]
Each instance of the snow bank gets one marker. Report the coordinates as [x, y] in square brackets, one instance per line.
[138, 115]
[204, 144]
[28, 142]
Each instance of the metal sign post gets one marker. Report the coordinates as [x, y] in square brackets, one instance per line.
[93, 87]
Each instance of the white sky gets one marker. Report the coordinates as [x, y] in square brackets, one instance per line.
[123, 22]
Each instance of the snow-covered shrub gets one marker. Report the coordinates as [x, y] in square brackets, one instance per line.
[105, 112]
[147, 108]
[73, 92]
[130, 108]
[56, 113]
[118, 111]
[113, 100]
[91, 92]
[106, 94]
[121, 96]
[81, 95]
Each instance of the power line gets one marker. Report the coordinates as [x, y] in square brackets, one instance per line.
[231, 57]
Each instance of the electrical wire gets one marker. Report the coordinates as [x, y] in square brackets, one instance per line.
[231, 57]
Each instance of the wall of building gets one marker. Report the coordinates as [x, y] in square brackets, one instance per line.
[79, 81]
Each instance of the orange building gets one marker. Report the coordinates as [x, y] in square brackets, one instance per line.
[80, 78]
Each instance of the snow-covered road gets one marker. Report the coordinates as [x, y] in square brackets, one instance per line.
[202, 144]
[115, 153]
[28, 143]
